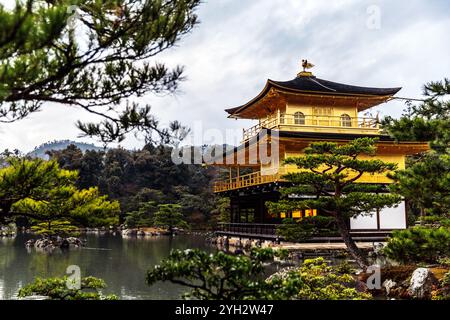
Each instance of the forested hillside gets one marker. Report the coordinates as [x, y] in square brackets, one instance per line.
[148, 175]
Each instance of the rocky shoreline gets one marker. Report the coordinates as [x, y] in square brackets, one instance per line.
[398, 282]
[144, 232]
[4, 234]
[236, 244]
[49, 244]
[8, 231]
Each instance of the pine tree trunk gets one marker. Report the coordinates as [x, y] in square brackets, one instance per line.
[351, 245]
[422, 215]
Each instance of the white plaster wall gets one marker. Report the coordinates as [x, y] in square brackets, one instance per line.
[393, 218]
[364, 222]
[390, 218]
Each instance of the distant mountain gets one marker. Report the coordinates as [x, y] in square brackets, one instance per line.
[39, 152]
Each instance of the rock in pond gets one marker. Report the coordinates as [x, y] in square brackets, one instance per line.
[421, 283]
[74, 241]
[129, 232]
[388, 285]
[44, 244]
[47, 244]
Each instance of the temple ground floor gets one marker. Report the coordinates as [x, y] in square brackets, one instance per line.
[250, 218]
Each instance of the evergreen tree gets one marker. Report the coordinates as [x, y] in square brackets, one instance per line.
[329, 175]
[221, 276]
[426, 184]
[22, 179]
[143, 217]
[93, 55]
[222, 210]
[53, 227]
[426, 180]
[169, 216]
[57, 289]
[88, 164]
[46, 195]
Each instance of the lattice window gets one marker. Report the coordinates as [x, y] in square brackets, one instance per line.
[346, 120]
[299, 118]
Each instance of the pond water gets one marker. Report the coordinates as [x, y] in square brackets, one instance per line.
[121, 262]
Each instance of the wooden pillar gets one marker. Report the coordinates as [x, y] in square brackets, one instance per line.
[261, 209]
[239, 209]
[378, 219]
[232, 208]
[235, 208]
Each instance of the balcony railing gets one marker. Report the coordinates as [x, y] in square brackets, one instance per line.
[261, 229]
[257, 178]
[247, 180]
[296, 122]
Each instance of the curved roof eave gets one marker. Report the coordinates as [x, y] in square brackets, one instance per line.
[331, 88]
[234, 110]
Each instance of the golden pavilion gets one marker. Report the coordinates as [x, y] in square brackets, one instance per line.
[292, 114]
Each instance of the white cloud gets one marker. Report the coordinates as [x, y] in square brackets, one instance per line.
[239, 44]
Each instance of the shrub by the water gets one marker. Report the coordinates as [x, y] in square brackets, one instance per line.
[221, 276]
[443, 221]
[443, 293]
[419, 244]
[444, 261]
[315, 280]
[58, 289]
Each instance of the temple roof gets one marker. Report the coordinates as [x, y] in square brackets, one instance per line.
[321, 86]
[307, 84]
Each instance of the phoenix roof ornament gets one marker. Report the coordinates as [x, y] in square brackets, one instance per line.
[306, 65]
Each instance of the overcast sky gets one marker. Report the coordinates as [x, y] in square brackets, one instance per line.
[239, 44]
